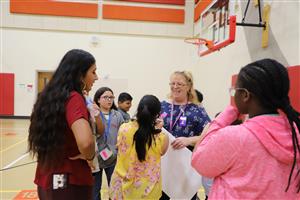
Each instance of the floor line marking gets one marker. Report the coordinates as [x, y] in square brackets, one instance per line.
[11, 146]
[15, 161]
[9, 191]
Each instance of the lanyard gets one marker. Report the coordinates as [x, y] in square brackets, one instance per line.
[106, 130]
[177, 118]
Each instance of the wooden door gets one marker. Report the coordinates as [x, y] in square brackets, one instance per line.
[43, 79]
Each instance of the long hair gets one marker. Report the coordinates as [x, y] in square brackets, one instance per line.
[48, 124]
[268, 80]
[147, 112]
[99, 93]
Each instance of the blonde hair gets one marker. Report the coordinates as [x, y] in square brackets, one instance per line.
[192, 97]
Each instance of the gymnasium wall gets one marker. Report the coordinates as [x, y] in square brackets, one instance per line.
[213, 72]
[142, 63]
[137, 56]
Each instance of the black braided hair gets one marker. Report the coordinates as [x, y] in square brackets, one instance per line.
[268, 80]
[147, 112]
[48, 123]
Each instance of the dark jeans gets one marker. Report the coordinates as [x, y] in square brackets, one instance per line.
[70, 192]
[98, 181]
[164, 196]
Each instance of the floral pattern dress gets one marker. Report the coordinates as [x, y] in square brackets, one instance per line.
[131, 178]
[196, 119]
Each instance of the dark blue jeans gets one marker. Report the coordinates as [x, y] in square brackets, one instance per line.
[98, 181]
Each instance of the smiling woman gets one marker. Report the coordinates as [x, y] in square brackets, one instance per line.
[183, 118]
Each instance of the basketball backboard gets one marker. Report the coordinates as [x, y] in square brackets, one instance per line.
[217, 24]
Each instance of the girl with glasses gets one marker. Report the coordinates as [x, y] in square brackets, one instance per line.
[112, 120]
[258, 159]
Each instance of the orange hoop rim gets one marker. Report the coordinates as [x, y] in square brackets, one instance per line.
[199, 41]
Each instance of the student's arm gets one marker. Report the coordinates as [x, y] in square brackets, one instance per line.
[219, 147]
[99, 125]
[199, 138]
[84, 138]
[77, 119]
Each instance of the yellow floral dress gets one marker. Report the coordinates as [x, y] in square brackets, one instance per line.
[131, 178]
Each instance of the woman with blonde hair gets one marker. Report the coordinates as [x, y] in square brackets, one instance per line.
[183, 118]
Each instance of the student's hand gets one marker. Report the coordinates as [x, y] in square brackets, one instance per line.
[159, 123]
[91, 164]
[79, 156]
[94, 111]
[180, 142]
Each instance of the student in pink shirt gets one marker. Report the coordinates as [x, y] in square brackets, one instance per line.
[258, 159]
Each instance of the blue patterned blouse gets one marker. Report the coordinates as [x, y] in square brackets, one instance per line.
[195, 116]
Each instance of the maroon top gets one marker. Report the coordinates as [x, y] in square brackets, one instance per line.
[79, 173]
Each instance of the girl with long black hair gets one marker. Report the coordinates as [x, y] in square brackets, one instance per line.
[60, 135]
[140, 147]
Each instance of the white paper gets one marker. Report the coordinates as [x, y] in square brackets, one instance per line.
[179, 179]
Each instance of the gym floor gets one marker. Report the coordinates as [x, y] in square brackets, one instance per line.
[18, 167]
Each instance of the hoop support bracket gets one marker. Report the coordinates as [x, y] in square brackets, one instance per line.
[252, 25]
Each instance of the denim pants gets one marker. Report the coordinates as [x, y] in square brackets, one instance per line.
[98, 181]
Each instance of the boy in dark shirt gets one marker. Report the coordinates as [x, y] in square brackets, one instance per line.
[124, 104]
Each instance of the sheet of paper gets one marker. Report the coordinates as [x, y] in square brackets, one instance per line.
[179, 179]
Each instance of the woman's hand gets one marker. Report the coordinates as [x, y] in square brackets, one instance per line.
[180, 142]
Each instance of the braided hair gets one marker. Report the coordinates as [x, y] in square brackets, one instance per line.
[268, 80]
[147, 113]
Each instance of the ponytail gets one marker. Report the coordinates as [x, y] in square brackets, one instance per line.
[147, 112]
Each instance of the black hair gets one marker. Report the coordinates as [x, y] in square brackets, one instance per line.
[268, 80]
[199, 96]
[147, 112]
[48, 122]
[124, 96]
[99, 93]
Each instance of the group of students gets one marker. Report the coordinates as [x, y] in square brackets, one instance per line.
[257, 159]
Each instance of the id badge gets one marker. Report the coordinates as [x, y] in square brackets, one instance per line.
[60, 181]
[105, 153]
[182, 121]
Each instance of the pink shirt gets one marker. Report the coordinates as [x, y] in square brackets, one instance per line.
[248, 161]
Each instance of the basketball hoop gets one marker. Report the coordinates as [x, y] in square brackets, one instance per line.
[200, 41]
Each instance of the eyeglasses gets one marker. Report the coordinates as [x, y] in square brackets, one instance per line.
[108, 98]
[233, 90]
[173, 84]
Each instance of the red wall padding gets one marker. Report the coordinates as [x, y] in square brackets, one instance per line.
[7, 93]
[294, 94]
[294, 75]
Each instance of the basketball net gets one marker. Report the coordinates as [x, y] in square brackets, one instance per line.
[200, 41]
